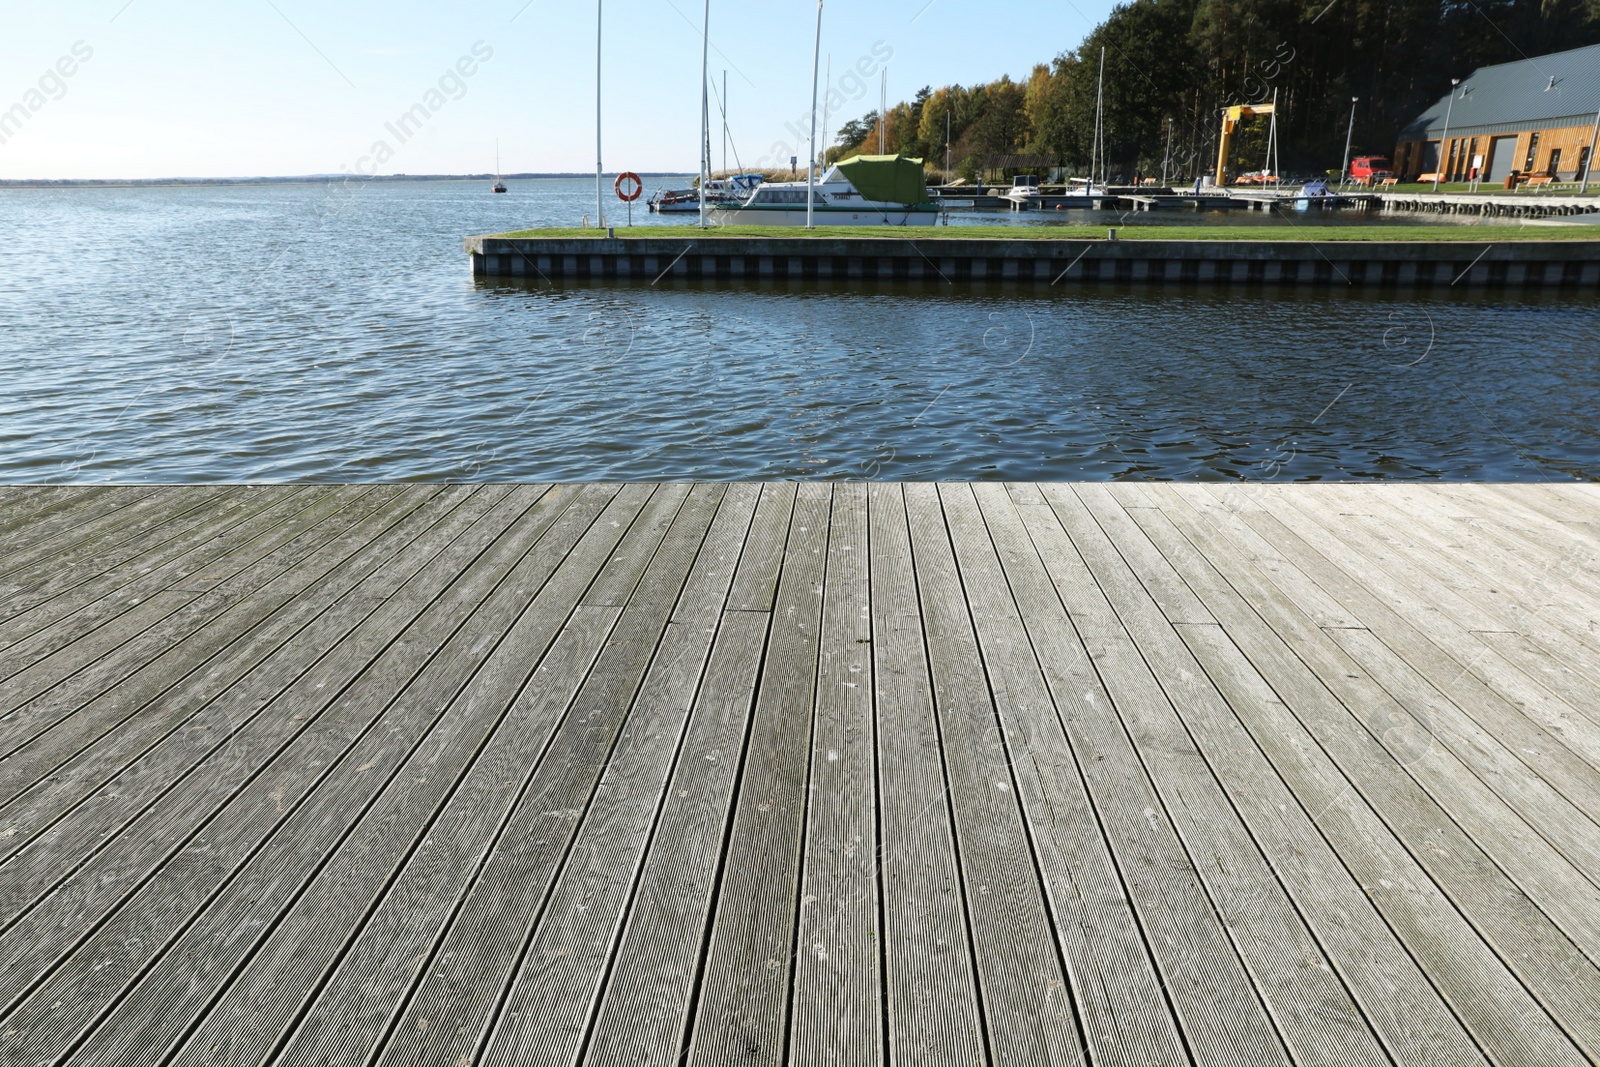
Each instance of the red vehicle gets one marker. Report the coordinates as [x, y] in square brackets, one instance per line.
[1368, 169]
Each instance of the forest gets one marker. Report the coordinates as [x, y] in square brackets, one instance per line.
[1170, 66]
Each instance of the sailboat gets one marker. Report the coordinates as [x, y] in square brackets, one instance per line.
[499, 186]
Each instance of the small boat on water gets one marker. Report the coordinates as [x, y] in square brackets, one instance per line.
[498, 186]
[1024, 191]
[859, 191]
[719, 192]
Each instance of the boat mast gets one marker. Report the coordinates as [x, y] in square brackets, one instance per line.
[883, 110]
[1099, 150]
[826, 114]
[724, 120]
[811, 164]
[705, 111]
[599, 24]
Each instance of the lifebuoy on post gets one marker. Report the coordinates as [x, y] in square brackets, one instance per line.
[634, 184]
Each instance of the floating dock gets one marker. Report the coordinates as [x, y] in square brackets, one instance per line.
[799, 774]
[1034, 261]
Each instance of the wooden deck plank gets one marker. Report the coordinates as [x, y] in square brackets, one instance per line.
[1569, 505]
[1523, 599]
[339, 970]
[467, 529]
[1361, 783]
[1524, 645]
[1026, 994]
[742, 1015]
[27, 503]
[478, 950]
[77, 658]
[1395, 604]
[1523, 532]
[152, 747]
[144, 522]
[220, 620]
[549, 1009]
[642, 1013]
[1116, 774]
[1556, 747]
[1409, 1017]
[756, 586]
[929, 970]
[1147, 671]
[1198, 974]
[58, 528]
[1554, 582]
[838, 996]
[152, 881]
[509, 815]
[83, 580]
[373, 812]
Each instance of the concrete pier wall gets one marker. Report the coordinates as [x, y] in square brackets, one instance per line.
[1519, 265]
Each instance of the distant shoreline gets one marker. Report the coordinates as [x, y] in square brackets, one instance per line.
[304, 179]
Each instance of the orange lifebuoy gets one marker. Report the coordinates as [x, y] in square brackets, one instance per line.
[638, 187]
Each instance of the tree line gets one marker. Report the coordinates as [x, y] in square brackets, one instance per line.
[1172, 65]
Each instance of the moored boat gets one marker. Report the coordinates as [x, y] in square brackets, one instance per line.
[859, 191]
[719, 192]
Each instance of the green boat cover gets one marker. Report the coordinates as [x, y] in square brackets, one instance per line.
[894, 179]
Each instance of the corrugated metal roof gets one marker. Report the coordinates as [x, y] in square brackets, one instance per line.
[1525, 94]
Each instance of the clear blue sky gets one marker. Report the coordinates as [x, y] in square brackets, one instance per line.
[273, 87]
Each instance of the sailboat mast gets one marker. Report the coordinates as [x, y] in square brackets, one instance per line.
[883, 110]
[826, 114]
[1100, 123]
[811, 164]
[705, 111]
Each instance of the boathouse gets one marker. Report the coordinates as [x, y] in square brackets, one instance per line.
[1536, 117]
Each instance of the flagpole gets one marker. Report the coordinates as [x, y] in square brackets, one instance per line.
[599, 167]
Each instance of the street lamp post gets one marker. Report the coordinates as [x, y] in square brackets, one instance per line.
[1588, 164]
[1444, 138]
[1344, 170]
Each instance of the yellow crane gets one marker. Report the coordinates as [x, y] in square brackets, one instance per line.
[1231, 117]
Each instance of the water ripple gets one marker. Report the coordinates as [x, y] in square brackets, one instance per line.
[251, 334]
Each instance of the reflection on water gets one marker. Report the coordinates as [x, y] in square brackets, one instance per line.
[293, 333]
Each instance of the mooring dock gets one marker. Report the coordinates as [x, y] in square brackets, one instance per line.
[943, 261]
[819, 773]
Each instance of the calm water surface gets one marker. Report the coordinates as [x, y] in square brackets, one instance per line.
[322, 333]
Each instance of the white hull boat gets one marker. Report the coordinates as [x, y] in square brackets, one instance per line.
[860, 191]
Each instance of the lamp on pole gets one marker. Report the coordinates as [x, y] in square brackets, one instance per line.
[1444, 138]
[1588, 164]
[1344, 170]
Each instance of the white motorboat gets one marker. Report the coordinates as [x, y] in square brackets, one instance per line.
[719, 192]
[859, 191]
[1024, 191]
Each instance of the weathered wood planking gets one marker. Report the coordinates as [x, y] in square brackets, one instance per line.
[827, 774]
